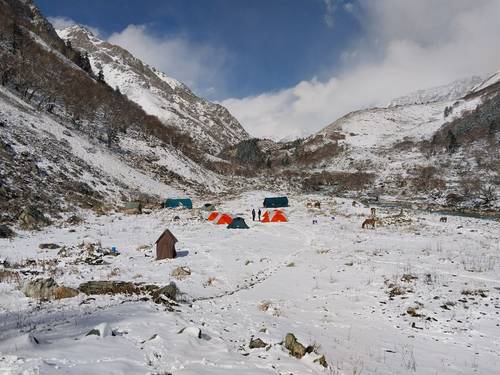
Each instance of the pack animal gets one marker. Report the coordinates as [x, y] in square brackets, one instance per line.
[367, 222]
[443, 219]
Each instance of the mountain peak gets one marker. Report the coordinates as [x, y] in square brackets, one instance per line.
[210, 125]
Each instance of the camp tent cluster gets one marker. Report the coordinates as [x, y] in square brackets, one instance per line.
[165, 244]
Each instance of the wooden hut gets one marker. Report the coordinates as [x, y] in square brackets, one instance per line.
[165, 246]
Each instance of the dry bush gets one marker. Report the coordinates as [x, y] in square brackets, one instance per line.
[475, 292]
[62, 292]
[339, 181]
[426, 178]
[479, 263]
[210, 281]
[114, 272]
[264, 305]
[8, 276]
[326, 151]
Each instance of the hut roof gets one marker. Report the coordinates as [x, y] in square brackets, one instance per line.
[166, 232]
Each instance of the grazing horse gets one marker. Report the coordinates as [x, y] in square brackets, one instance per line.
[443, 219]
[368, 222]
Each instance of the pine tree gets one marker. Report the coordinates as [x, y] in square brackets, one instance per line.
[100, 76]
[452, 142]
[17, 37]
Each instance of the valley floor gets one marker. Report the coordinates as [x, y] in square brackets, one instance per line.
[417, 296]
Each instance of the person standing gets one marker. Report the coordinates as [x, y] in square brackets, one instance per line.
[253, 214]
[259, 214]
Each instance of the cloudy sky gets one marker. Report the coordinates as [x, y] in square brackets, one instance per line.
[291, 67]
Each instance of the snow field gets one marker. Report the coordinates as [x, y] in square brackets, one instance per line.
[327, 283]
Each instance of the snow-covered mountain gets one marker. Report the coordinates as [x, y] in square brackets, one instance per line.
[210, 125]
[452, 135]
[448, 92]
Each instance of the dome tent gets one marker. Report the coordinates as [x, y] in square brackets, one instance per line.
[178, 202]
[275, 202]
[238, 223]
[274, 216]
[223, 219]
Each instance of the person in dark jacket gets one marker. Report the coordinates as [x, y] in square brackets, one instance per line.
[253, 214]
[259, 214]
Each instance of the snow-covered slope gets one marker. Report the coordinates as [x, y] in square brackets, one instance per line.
[449, 92]
[495, 78]
[209, 124]
[47, 162]
[382, 127]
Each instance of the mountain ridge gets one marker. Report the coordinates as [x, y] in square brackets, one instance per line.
[210, 125]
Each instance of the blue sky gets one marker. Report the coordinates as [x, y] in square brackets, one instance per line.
[267, 45]
[291, 67]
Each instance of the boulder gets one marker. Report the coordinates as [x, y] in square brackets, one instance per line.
[32, 218]
[170, 291]
[296, 348]
[40, 288]
[6, 232]
[62, 292]
[50, 246]
[108, 287]
[257, 343]
[74, 220]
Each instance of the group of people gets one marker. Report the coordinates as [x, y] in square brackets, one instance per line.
[253, 214]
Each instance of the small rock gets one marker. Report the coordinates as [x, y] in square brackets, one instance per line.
[6, 232]
[181, 272]
[322, 361]
[101, 330]
[191, 331]
[50, 246]
[257, 343]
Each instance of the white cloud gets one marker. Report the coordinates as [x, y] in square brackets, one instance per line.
[408, 45]
[64, 22]
[330, 6]
[196, 65]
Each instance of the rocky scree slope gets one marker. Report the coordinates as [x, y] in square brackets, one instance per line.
[210, 125]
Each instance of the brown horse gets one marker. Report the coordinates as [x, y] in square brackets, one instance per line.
[368, 222]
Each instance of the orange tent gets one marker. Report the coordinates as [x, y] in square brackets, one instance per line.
[274, 216]
[223, 219]
[212, 215]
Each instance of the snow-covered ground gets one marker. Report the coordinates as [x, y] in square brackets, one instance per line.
[329, 283]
